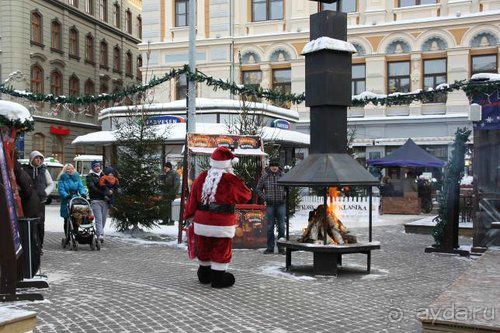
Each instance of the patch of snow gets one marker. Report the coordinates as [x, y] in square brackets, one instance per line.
[466, 180]
[277, 271]
[368, 95]
[485, 77]
[14, 111]
[327, 43]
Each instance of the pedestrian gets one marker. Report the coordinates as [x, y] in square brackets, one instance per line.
[273, 196]
[211, 206]
[170, 184]
[109, 183]
[44, 185]
[69, 185]
[97, 198]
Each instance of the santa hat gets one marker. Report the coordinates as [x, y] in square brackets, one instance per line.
[222, 158]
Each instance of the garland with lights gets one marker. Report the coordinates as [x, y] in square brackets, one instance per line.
[470, 87]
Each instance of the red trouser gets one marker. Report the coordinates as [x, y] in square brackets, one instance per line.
[214, 249]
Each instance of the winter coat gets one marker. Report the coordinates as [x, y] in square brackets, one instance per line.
[269, 190]
[44, 185]
[231, 191]
[96, 192]
[170, 184]
[70, 186]
[29, 198]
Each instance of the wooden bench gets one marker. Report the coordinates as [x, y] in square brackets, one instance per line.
[327, 258]
[16, 321]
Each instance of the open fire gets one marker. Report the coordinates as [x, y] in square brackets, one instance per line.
[334, 231]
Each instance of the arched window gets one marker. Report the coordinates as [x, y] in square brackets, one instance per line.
[89, 48]
[138, 73]
[36, 27]
[117, 15]
[56, 83]
[128, 64]
[56, 35]
[128, 21]
[250, 58]
[139, 26]
[103, 57]
[74, 85]
[398, 46]
[434, 44]
[39, 143]
[73, 42]
[484, 39]
[279, 56]
[117, 59]
[37, 79]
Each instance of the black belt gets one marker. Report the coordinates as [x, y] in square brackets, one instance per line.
[217, 208]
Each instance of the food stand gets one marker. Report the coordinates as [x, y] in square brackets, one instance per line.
[251, 231]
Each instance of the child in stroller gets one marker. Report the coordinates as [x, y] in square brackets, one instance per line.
[81, 226]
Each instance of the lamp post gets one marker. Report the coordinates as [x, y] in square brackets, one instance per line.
[191, 115]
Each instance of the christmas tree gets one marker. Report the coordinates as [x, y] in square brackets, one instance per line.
[139, 167]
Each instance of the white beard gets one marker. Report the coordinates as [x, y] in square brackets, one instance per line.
[210, 185]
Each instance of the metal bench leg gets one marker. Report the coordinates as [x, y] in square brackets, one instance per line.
[339, 259]
[368, 261]
[288, 259]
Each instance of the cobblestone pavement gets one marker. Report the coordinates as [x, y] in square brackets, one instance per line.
[131, 287]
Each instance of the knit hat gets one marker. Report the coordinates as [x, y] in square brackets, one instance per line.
[223, 158]
[93, 164]
[108, 170]
[274, 162]
[167, 165]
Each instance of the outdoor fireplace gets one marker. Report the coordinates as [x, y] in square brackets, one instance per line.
[328, 94]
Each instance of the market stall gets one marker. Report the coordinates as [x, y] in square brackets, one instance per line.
[401, 193]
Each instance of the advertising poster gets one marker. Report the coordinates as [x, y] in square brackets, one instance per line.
[230, 141]
[490, 111]
[251, 231]
[9, 197]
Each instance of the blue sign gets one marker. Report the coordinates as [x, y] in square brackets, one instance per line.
[161, 120]
[281, 124]
[490, 119]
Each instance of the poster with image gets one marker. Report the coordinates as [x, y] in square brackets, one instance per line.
[9, 197]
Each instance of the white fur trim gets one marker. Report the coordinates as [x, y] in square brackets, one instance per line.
[214, 230]
[235, 161]
[205, 263]
[220, 164]
[217, 266]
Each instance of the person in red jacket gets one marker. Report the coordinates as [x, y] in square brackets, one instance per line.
[211, 205]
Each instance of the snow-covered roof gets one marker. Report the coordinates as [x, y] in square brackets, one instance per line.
[485, 77]
[237, 152]
[177, 133]
[203, 105]
[14, 111]
[327, 43]
[88, 158]
[49, 163]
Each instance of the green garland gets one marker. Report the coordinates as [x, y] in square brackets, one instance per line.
[21, 126]
[470, 87]
[452, 178]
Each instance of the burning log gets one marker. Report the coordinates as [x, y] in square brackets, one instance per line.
[336, 232]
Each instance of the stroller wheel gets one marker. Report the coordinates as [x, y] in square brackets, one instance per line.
[97, 244]
[63, 243]
[93, 243]
[75, 246]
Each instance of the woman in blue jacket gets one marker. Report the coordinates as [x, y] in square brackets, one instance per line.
[69, 185]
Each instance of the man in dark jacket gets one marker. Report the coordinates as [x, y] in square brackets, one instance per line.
[170, 184]
[97, 200]
[274, 198]
[43, 185]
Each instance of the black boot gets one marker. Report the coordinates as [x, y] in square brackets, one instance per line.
[205, 274]
[222, 279]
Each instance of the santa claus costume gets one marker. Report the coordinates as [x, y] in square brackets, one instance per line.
[211, 205]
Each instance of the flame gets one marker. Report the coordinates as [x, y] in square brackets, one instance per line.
[333, 193]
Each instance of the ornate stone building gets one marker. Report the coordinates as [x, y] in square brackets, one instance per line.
[68, 47]
[403, 45]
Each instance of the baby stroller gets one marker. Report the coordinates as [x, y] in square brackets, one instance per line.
[80, 226]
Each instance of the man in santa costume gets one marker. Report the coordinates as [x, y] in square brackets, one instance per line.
[211, 204]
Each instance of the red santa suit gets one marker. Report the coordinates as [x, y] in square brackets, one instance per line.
[211, 205]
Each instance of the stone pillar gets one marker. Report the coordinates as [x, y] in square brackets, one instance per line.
[267, 76]
[458, 69]
[376, 74]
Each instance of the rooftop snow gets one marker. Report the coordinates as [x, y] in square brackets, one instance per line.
[14, 111]
[327, 43]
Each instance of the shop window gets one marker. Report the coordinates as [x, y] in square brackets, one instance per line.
[265, 10]
[39, 143]
[398, 77]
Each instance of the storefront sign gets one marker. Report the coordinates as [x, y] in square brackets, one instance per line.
[59, 130]
[161, 120]
[281, 124]
[9, 198]
[251, 231]
[230, 141]
[490, 119]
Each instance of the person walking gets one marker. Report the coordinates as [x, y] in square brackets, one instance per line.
[170, 184]
[97, 196]
[211, 205]
[44, 185]
[273, 196]
[69, 185]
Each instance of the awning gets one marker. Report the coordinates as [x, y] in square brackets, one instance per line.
[237, 152]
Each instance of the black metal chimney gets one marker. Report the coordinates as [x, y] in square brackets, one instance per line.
[328, 94]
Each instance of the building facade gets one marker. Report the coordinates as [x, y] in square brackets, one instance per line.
[70, 48]
[403, 46]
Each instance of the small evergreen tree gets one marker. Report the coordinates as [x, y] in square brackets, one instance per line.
[139, 167]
